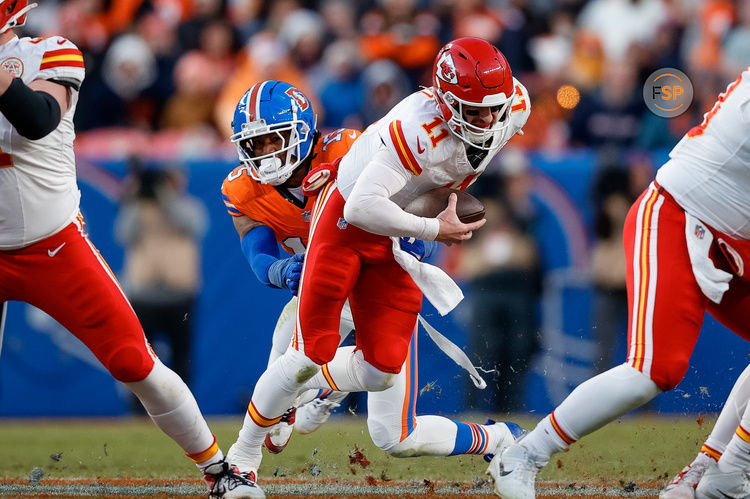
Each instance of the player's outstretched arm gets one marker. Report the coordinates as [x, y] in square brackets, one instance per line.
[452, 230]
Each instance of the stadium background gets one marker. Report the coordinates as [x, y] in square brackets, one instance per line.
[163, 74]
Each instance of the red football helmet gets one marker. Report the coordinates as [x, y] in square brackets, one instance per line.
[472, 72]
[13, 13]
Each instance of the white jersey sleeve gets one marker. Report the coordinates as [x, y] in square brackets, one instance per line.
[61, 61]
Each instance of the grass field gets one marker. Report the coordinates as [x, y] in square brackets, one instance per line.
[646, 450]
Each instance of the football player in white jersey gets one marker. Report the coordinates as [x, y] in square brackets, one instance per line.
[683, 485]
[686, 242]
[257, 194]
[46, 258]
[442, 136]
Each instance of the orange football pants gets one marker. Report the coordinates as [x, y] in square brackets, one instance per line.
[666, 306]
[343, 262]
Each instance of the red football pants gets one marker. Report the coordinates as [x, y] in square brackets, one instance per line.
[666, 306]
[66, 277]
[343, 261]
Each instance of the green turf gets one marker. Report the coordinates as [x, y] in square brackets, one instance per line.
[637, 448]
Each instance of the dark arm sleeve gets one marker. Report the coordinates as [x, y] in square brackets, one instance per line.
[34, 114]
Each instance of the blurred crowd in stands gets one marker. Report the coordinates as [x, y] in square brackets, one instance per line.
[181, 65]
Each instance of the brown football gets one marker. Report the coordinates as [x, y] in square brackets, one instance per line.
[431, 203]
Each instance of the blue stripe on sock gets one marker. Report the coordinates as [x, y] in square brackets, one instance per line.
[464, 439]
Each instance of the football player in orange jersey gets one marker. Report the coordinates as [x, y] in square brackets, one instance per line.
[278, 145]
[46, 257]
[274, 127]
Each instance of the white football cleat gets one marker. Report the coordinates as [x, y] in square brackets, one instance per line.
[718, 485]
[226, 482]
[684, 484]
[514, 473]
[278, 437]
[316, 412]
[510, 433]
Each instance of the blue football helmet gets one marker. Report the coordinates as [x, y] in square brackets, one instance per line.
[274, 107]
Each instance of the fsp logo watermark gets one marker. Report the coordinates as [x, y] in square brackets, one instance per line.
[668, 92]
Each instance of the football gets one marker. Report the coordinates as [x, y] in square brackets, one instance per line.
[431, 203]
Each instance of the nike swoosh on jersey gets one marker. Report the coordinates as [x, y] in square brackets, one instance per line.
[53, 252]
[353, 134]
[420, 149]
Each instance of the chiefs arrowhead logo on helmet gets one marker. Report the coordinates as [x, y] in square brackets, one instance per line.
[447, 69]
[299, 97]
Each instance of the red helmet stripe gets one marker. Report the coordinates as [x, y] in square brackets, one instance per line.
[402, 148]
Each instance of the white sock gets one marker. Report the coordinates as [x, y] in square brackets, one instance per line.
[590, 406]
[736, 457]
[730, 417]
[172, 407]
[544, 440]
[274, 393]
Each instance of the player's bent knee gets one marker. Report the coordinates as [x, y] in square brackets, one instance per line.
[391, 443]
[375, 380]
[297, 367]
[129, 364]
[384, 439]
[389, 356]
[322, 349]
[667, 379]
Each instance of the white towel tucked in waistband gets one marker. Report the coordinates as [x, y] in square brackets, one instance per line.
[712, 281]
[437, 286]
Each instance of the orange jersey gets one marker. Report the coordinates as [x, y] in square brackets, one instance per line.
[263, 203]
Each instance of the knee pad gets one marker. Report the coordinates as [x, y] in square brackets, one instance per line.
[382, 434]
[669, 373]
[389, 355]
[128, 363]
[322, 349]
[372, 378]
